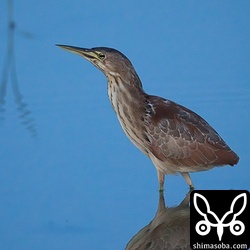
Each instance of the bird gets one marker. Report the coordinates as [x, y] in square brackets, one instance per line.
[175, 138]
[169, 229]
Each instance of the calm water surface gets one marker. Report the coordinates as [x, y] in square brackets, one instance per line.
[69, 177]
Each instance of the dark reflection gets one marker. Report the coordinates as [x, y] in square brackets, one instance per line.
[170, 228]
[9, 70]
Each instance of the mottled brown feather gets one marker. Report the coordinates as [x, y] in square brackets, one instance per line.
[182, 137]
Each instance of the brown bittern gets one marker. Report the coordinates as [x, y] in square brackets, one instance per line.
[176, 139]
[170, 228]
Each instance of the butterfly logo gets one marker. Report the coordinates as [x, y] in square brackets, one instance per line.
[210, 219]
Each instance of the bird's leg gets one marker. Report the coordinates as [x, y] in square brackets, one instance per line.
[161, 179]
[187, 178]
[161, 204]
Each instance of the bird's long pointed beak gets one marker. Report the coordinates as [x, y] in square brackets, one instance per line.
[87, 53]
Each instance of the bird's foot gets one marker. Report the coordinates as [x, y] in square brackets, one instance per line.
[161, 190]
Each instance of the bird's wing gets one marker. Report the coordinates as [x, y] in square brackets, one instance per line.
[179, 135]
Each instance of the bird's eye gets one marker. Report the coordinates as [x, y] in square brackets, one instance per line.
[101, 56]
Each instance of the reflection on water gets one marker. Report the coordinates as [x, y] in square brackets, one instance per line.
[170, 228]
[9, 70]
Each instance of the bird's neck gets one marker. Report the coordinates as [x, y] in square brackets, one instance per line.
[123, 95]
[128, 101]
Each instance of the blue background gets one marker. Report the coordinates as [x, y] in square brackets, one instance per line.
[69, 177]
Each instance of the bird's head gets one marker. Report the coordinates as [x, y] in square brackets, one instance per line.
[110, 61]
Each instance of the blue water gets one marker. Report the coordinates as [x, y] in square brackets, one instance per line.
[69, 177]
